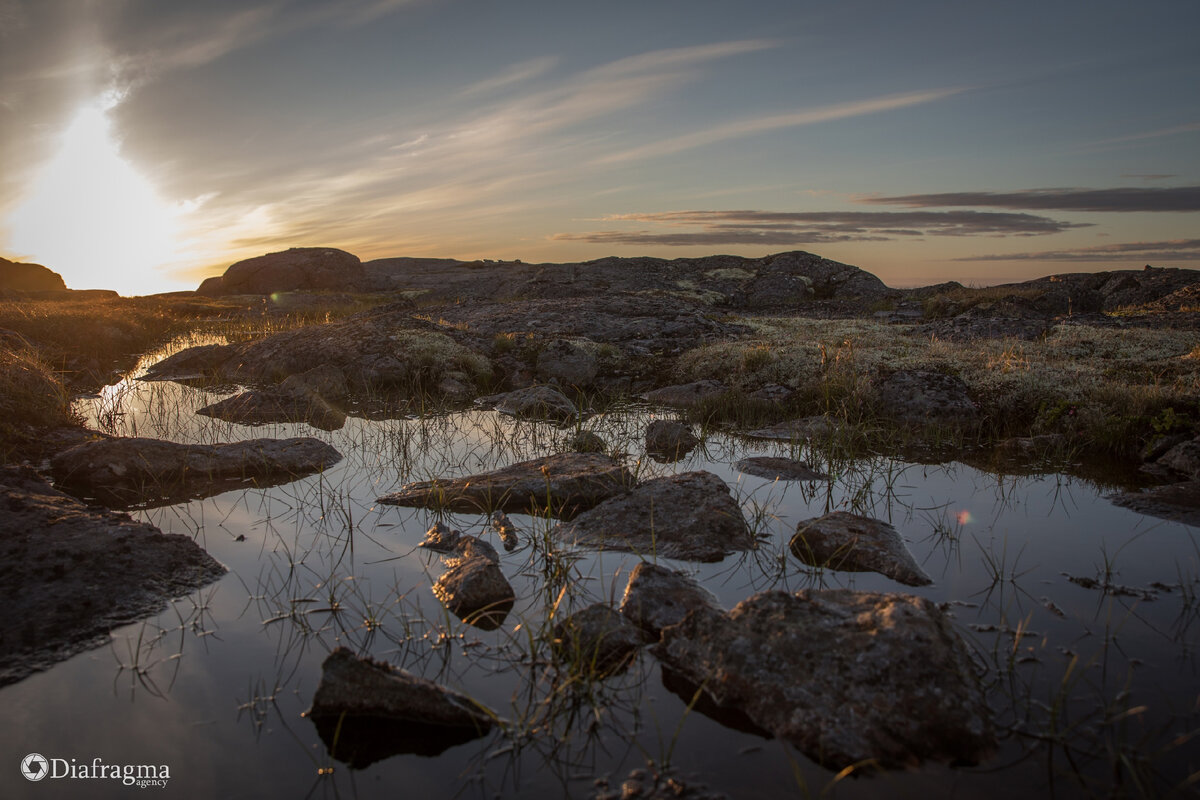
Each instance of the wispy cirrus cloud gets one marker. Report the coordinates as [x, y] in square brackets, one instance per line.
[1170, 250]
[750, 127]
[814, 227]
[1122, 199]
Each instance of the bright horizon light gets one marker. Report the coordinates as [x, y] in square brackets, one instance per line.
[90, 216]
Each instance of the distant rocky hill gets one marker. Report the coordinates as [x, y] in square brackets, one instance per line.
[22, 277]
[772, 282]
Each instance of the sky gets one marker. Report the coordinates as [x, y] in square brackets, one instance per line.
[147, 144]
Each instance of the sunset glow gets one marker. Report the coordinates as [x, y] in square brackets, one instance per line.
[92, 217]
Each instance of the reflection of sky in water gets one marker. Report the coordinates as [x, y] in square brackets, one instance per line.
[322, 542]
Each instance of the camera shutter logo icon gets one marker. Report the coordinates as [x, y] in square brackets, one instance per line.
[35, 767]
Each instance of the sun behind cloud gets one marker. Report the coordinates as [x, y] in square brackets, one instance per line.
[92, 217]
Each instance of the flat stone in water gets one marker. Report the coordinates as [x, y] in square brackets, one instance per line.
[779, 469]
[537, 402]
[795, 430]
[845, 676]
[71, 573]
[851, 543]
[566, 483]
[690, 516]
[1177, 502]
[367, 710]
[144, 472]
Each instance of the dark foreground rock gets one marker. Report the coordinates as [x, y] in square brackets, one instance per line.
[1178, 502]
[597, 640]
[845, 676]
[657, 597]
[851, 543]
[367, 710]
[691, 516]
[566, 483]
[71, 573]
[779, 469]
[148, 472]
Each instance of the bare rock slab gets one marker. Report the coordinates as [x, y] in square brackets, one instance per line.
[566, 483]
[144, 472]
[657, 597]
[367, 710]
[690, 516]
[919, 397]
[71, 573]
[779, 469]
[851, 543]
[796, 430]
[845, 676]
[597, 640]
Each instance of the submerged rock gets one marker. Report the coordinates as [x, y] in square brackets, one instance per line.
[256, 407]
[566, 483]
[537, 402]
[597, 640]
[919, 397]
[845, 676]
[795, 430]
[1178, 502]
[669, 440]
[585, 442]
[687, 394]
[691, 516]
[71, 573]
[657, 597]
[367, 710]
[136, 471]
[779, 469]
[850, 543]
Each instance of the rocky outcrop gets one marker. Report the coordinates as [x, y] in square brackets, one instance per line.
[300, 268]
[566, 483]
[657, 597]
[851, 543]
[691, 516]
[384, 349]
[569, 362]
[367, 710]
[597, 640]
[669, 440]
[919, 397]
[148, 472]
[845, 676]
[24, 277]
[779, 469]
[71, 573]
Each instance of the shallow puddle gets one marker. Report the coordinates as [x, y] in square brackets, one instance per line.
[1079, 679]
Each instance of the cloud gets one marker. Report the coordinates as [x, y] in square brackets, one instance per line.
[816, 227]
[517, 73]
[749, 127]
[1190, 127]
[1171, 250]
[1178, 198]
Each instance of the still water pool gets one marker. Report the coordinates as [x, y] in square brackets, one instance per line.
[1093, 690]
